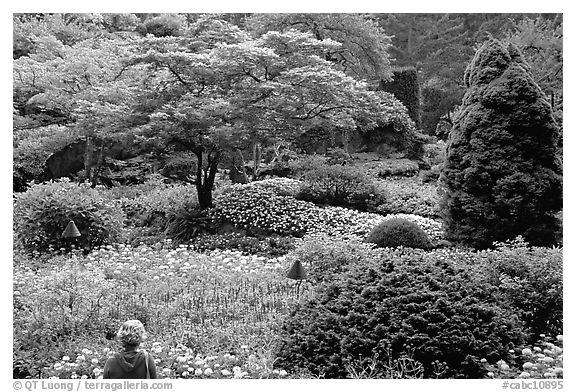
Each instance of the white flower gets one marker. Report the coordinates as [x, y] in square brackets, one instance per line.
[528, 365]
[524, 375]
[236, 369]
[225, 372]
[66, 358]
[198, 372]
[526, 351]
[94, 361]
[185, 374]
[283, 373]
[97, 371]
[208, 371]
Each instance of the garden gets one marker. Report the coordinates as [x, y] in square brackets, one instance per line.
[418, 256]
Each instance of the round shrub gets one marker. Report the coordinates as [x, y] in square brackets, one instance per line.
[399, 232]
[371, 313]
[43, 211]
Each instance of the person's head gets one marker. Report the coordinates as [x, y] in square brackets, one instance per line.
[131, 333]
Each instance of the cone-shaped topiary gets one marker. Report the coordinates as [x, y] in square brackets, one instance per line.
[502, 176]
[399, 232]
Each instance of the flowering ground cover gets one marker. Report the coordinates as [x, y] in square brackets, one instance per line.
[216, 304]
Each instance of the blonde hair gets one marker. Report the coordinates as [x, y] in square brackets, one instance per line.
[131, 333]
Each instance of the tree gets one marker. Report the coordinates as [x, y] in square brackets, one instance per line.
[364, 50]
[219, 90]
[502, 176]
[540, 41]
[78, 86]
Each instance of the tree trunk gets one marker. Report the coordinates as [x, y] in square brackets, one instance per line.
[238, 169]
[256, 156]
[96, 171]
[88, 155]
[205, 177]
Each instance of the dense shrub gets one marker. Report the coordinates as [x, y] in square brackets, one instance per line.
[439, 97]
[43, 211]
[432, 175]
[407, 196]
[373, 311]
[399, 232]
[188, 223]
[404, 86]
[530, 279]
[502, 177]
[324, 257]
[155, 209]
[434, 153]
[340, 186]
[396, 168]
[262, 211]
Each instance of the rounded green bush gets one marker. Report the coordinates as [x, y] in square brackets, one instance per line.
[42, 213]
[399, 232]
[402, 303]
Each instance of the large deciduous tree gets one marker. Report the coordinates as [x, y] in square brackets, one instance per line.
[219, 90]
[502, 176]
[364, 50]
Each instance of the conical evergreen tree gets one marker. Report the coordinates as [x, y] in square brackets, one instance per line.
[502, 176]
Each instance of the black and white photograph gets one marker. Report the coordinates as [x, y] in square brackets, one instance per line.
[287, 196]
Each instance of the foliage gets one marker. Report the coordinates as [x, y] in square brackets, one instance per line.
[341, 186]
[165, 25]
[404, 298]
[364, 51]
[431, 175]
[502, 177]
[439, 98]
[406, 196]
[188, 223]
[262, 246]
[540, 41]
[530, 279]
[32, 148]
[52, 310]
[396, 168]
[434, 153]
[43, 211]
[245, 90]
[157, 203]
[404, 86]
[399, 232]
[280, 185]
[262, 210]
[324, 257]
